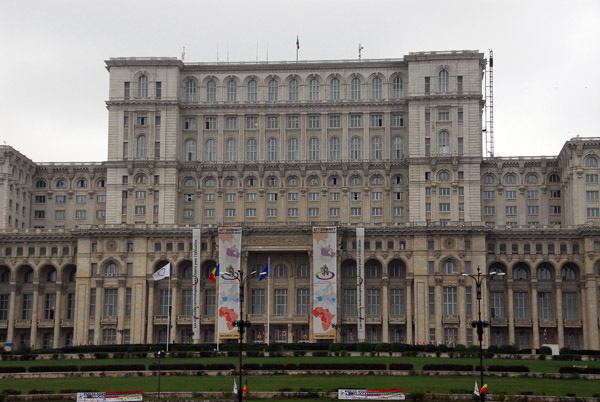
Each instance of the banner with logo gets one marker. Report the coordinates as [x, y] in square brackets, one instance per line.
[196, 285]
[373, 394]
[230, 243]
[360, 289]
[110, 396]
[324, 282]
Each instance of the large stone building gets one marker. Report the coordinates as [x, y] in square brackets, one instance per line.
[394, 146]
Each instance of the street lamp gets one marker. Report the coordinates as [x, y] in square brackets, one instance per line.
[479, 324]
[160, 352]
[241, 323]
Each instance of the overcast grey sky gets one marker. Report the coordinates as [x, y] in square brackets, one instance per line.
[53, 82]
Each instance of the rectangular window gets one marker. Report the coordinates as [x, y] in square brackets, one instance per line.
[4, 306]
[49, 306]
[163, 302]
[427, 85]
[373, 301]
[511, 195]
[280, 302]
[159, 89]
[128, 302]
[532, 194]
[292, 196]
[459, 83]
[302, 301]
[334, 212]
[376, 211]
[186, 303]
[210, 300]
[272, 212]
[431, 300]
[230, 197]
[397, 302]
[377, 196]
[60, 214]
[292, 212]
[251, 212]
[450, 301]
[314, 122]
[355, 211]
[210, 123]
[356, 120]
[27, 306]
[80, 214]
[397, 120]
[231, 123]
[126, 89]
[355, 196]
[313, 212]
[335, 121]
[251, 122]
[591, 178]
[545, 306]
[110, 302]
[272, 121]
[376, 120]
[554, 193]
[511, 210]
[229, 212]
[443, 115]
[293, 121]
[593, 212]
[533, 210]
[427, 146]
[189, 123]
[141, 121]
[444, 207]
[469, 300]
[398, 211]
[334, 196]
[209, 213]
[555, 209]
[258, 302]
[140, 210]
[592, 195]
[497, 305]
[521, 305]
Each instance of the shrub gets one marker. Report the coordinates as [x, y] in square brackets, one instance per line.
[114, 367]
[101, 355]
[176, 366]
[39, 391]
[277, 366]
[401, 366]
[493, 349]
[53, 369]
[250, 366]
[12, 369]
[545, 350]
[220, 366]
[320, 353]
[27, 357]
[255, 353]
[460, 348]
[447, 367]
[509, 349]
[565, 351]
[511, 369]
[364, 347]
[382, 347]
[299, 353]
[334, 347]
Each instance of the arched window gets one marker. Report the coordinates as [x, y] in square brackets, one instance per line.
[498, 269]
[444, 176]
[373, 269]
[251, 182]
[72, 275]
[569, 272]
[143, 86]
[101, 183]
[141, 148]
[252, 91]
[397, 269]
[273, 149]
[210, 182]
[376, 88]
[28, 276]
[211, 91]
[40, 183]
[443, 81]
[210, 150]
[313, 181]
[187, 271]
[232, 91]
[272, 181]
[189, 182]
[293, 90]
[190, 91]
[355, 148]
[544, 273]
[111, 269]
[281, 271]
[141, 179]
[349, 269]
[591, 161]
[61, 183]
[398, 180]
[231, 150]
[554, 178]
[510, 179]
[251, 149]
[81, 183]
[230, 182]
[449, 267]
[377, 181]
[398, 148]
[489, 179]
[51, 275]
[444, 142]
[313, 149]
[314, 90]
[190, 150]
[293, 149]
[5, 276]
[334, 89]
[334, 149]
[398, 88]
[376, 148]
[520, 273]
[356, 181]
[532, 178]
[355, 88]
[292, 181]
[273, 91]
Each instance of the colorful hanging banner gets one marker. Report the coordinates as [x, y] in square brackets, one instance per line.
[373, 394]
[230, 243]
[196, 275]
[360, 289]
[324, 282]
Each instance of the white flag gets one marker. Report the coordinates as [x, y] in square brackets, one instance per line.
[162, 273]
[234, 387]
[476, 391]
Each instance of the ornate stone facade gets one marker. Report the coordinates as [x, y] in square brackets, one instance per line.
[393, 146]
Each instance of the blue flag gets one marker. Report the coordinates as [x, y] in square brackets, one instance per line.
[265, 273]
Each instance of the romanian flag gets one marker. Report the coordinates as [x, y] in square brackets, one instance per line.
[297, 43]
[245, 390]
[214, 274]
[483, 389]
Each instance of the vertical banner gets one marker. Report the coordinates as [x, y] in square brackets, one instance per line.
[360, 289]
[196, 285]
[230, 242]
[324, 282]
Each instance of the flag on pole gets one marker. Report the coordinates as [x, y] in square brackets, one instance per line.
[483, 389]
[297, 43]
[234, 387]
[264, 273]
[476, 391]
[164, 272]
[245, 390]
[214, 274]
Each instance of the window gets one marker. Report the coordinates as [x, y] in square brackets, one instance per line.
[554, 178]
[190, 150]
[231, 150]
[272, 212]
[355, 120]
[376, 88]
[80, 214]
[397, 87]
[443, 81]
[210, 300]
[532, 194]
[444, 142]
[555, 209]
[427, 85]
[211, 91]
[159, 90]
[126, 89]
[231, 123]
[355, 90]
[334, 148]
[533, 210]
[251, 149]
[293, 121]
[252, 91]
[164, 302]
[314, 90]
[143, 86]
[349, 302]
[273, 151]
[210, 123]
[280, 302]
[511, 210]
[334, 89]
[449, 268]
[258, 301]
[397, 120]
[569, 305]
[459, 83]
[302, 301]
[251, 212]
[593, 212]
[444, 115]
[210, 150]
[251, 122]
[190, 91]
[450, 301]
[497, 305]
[355, 211]
[273, 91]
[335, 121]
[591, 161]
[355, 148]
[141, 148]
[431, 300]
[293, 90]
[110, 302]
[376, 148]
[231, 91]
[545, 306]
[373, 301]
[591, 178]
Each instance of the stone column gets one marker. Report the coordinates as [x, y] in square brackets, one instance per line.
[462, 312]
[34, 315]
[120, 310]
[590, 319]
[385, 310]
[174, 297]
[510, 314]
[99, 309]
[559, 315]
[439, 304]
[11, 314]
[409, 312]
[534, 317]
[57, 314]
[150, 313]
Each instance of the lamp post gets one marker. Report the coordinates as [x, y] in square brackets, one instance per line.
[479, 324]
[241, 323]
[159, 354]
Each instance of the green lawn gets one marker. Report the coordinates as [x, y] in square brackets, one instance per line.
[509, 386]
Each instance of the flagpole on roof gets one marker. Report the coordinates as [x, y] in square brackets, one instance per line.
[297, 47]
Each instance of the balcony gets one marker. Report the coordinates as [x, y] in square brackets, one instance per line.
[160, 320]
[547, 323]
[451, 319]
[23, 324]
[3, 323]
[184, 319]
[499, 322]
[573, 323]
[109, 319]
[522, 322]
[66, 323]
[397, 320]
[46, 323]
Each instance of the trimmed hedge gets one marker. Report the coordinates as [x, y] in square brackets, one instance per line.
[580, 370]
[53, 369]
[222, 366]
[114, 367]
[341, 366]
[509, 369]
[401, 366]
[275, 366]
[177, 366]
[250, 366]
[12, 369]
[447, 367]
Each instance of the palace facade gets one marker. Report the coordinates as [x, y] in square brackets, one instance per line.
[393, 146]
